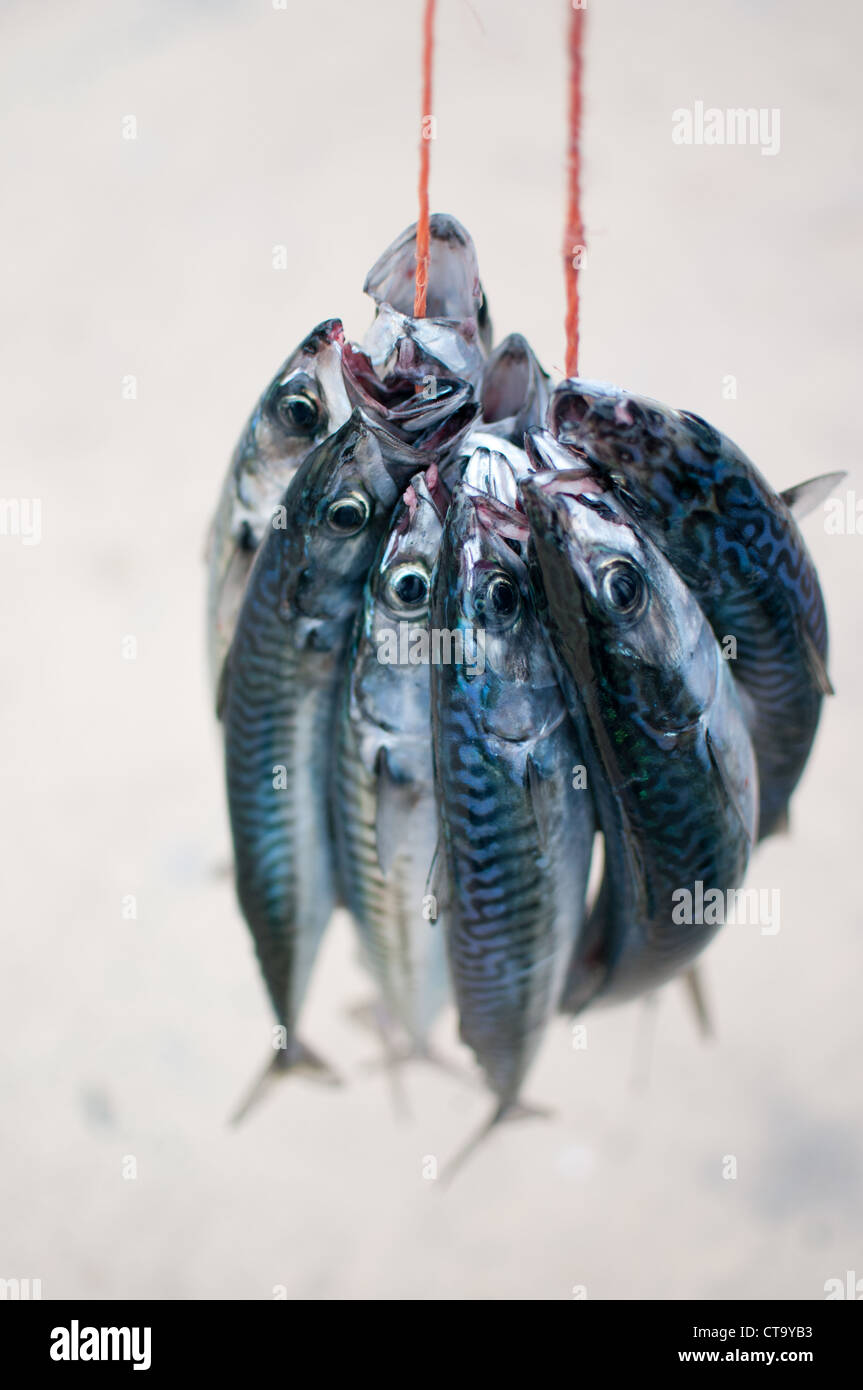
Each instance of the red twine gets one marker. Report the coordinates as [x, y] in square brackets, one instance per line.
[426, 132]
[573, 239]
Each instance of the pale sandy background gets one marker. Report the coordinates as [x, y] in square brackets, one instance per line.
[153, 258]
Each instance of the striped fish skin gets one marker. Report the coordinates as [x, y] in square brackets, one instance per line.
[516, 835]
[304, 402]
[735, 542]
[666, 744]
[280, 698]
[385, 812]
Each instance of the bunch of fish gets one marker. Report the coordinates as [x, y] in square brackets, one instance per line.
[459, 623]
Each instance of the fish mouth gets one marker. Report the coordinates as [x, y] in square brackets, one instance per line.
[580, 409]
[507, 380]
[453, 290]
[415, 402]
[327, 334]
[496, 516]
[561, 509]
[548, 454]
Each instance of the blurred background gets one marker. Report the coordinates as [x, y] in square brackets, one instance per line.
[142, 315]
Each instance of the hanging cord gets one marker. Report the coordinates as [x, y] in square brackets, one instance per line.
[426, 128]
[573, 239]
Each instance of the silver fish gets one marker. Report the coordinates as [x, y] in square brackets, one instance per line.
[305, 401]
[384, 801]
[516, 835]
[667, 749]
[280, 698]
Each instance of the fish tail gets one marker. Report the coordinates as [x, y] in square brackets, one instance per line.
[506, 1113]
[694, 985]
[297, 1059]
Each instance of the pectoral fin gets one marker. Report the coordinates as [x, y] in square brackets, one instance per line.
[815, 662]
[544, 800]
[727, 783]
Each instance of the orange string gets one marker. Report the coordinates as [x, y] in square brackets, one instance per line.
[573, 239]
[426, 123]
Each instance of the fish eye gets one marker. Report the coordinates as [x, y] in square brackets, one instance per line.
[499, 601]
[407, 589]
[298, 411]
[623, 588]
[348, 514]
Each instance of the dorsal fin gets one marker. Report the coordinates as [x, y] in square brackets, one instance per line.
[803, 498]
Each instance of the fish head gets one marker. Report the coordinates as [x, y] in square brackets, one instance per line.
[453, 290]
[515, 390]
[400, 582]
[335, 513]
[621, 615]
[481, 589]
[661, 463]
[490, 471]
[391, 668]
[419, 406]
[489, 463]
[305, 401]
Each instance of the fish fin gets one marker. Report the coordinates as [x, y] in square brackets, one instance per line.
[693, 984]
[417, 1052]
[296, 1059]
[376, 1015]
[392, 803]
[815, 662]
[364, 1014]
[542, 799]
[222, 686]
[505, 1113]
[437, 885]
[728, 787]
[803, 498]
